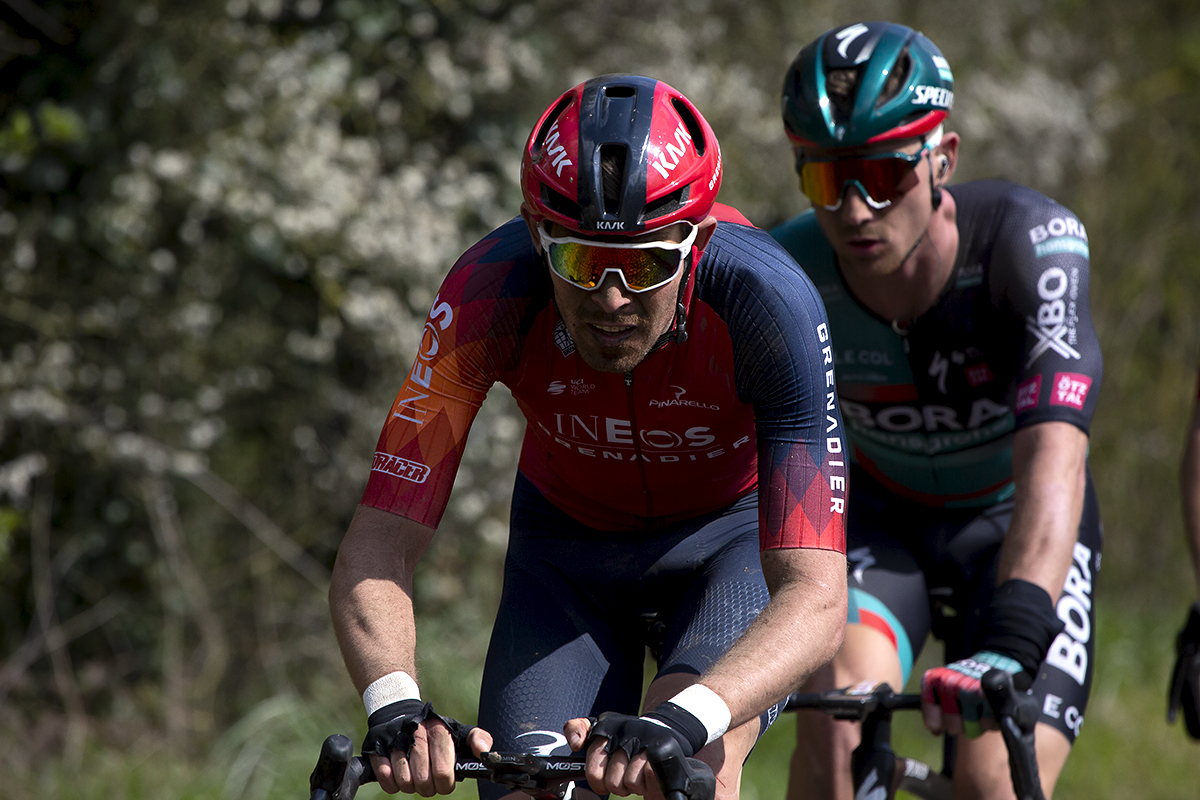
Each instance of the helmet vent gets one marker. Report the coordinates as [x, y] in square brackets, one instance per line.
[560, 204]
[897, 78]
[612, 175]
[619, 90]
[692, 124]
[551, 118]
[667, 204]
[842, 87]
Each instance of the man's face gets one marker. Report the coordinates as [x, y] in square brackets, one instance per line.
[614, 328]
[875, 241]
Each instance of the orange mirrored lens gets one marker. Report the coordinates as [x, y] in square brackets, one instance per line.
[643, 268]
[824, 181]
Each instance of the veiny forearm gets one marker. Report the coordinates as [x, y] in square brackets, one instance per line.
[1049, 471]
[800, 629]
[370, 596]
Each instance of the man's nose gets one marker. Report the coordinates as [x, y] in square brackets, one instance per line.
[855, 208]
[611, 295]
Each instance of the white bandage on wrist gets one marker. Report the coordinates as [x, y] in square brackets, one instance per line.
[391, 688]
[707, 706]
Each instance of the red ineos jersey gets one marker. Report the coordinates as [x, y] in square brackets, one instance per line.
[747, 401]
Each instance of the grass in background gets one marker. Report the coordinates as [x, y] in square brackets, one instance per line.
[1126, 749]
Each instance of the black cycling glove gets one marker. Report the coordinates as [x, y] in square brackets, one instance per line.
[1185, 679]
[635, 734]
[393, 728]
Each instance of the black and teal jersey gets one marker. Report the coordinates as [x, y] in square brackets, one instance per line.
[930, 411]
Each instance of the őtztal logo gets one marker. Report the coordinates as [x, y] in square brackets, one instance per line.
[1028, 393]
[1070, 389]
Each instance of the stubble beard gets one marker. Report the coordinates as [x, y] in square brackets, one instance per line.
[620, 358]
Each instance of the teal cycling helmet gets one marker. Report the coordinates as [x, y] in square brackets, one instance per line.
[864, 83]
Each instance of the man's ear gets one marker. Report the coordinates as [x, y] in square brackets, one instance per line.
[704, 232]
[949, 150]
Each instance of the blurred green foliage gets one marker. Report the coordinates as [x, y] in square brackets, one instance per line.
[221, 226]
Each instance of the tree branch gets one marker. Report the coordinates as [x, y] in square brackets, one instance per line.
[261, 526]
[46, 25]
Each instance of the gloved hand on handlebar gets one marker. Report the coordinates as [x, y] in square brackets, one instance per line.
[419, 746]
[953, 693]
[1185, 678]
[617, 745]
[635, 734]
[1016, 632]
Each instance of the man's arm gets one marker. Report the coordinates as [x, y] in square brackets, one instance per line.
[370, 597]
[370, 600]
[1189, 475]
[800, 630]
[1050, 476]
[1049, 473]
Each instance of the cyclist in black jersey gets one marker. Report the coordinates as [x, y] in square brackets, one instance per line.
[1184, 690]
[968, 371]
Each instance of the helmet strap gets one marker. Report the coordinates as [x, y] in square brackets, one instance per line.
[678, 329]
[935, 191]
[680, 310]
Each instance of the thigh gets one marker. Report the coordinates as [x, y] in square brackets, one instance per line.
[888, 586]
[708, 590]
[1064, 681]
[557, 652]
[982, 772]
[552, 659]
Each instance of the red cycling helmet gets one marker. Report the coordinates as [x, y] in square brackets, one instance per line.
[620, 154]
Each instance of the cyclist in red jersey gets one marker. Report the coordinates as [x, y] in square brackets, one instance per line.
[681, 482]
[1184, 691]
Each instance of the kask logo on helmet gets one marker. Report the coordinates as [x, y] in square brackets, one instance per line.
[552, 149]
[670, 156]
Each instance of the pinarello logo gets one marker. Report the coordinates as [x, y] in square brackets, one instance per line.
[1070, 389]
[1028, 393]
